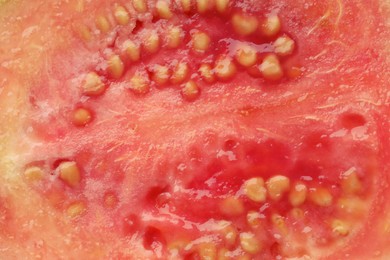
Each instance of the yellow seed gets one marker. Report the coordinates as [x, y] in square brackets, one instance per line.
[140, 6]
[297, 213]
[279, 223]
[352, 206]
[79, 6]
[140, 83]
[180, 73]
[207, 73]
[284, 46]
[222, 5]
[350, 182]
[76, 209]
[270, 68]
[102, 24]
[203, 6]
[121, 15]
[132, 50]
[223, 254]
[186, 5]
[250, 243]
[207, 251]
[277, 186]
[81, 117]
[69, 173]
[246, 55]
[200, 41]
[163, 9]
[110, 200]
[254, 189]
[115, 67]
[160, 74]
[271, 25]
[321, 197]
[298, 194]
[152, 42]
[253, 219]
[190, 90]
[174, 37]
[231, 206]
[339, 227]
[34, 173]
[228, 232]
[93, 85]
[244, 24]
[224, 68]
[84, 32]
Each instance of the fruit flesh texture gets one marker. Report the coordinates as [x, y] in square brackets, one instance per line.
[28, 64]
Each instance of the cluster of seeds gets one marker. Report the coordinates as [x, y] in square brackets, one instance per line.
[211, 59]
[261, 214]
[230, 239]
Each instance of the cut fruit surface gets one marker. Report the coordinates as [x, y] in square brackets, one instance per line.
[194, 129]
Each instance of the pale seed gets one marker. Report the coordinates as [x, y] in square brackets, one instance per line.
[69, 173]
[93, 85]
[115, 67]
[121, 15]
[270, 68]
[244, 24]
[232, 206]
[255, 190]
[277, 186]
[163, 9]
[81, 117]
[250, 243]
